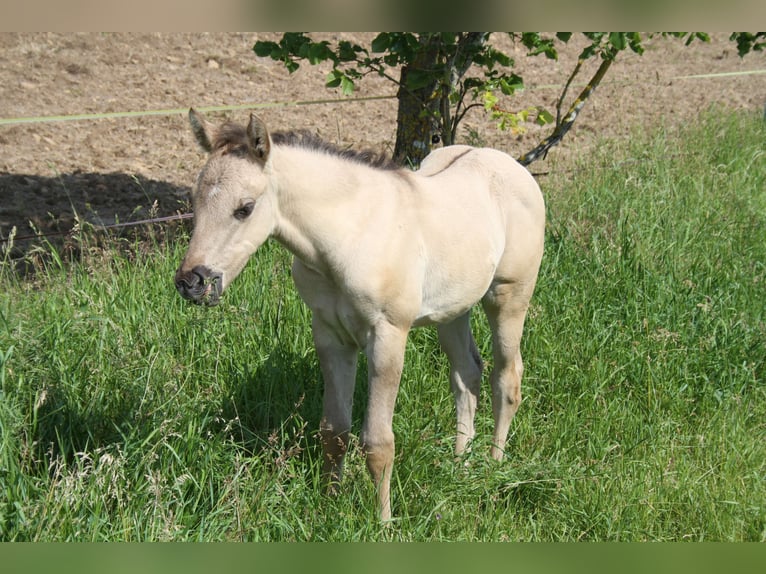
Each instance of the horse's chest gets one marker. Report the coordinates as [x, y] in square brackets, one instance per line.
[349, 316]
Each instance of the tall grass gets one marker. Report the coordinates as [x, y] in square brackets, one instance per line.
[127, 414]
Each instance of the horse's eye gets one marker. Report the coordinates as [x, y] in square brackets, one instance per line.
[244, 211]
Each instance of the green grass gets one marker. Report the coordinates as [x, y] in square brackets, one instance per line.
[127, 414]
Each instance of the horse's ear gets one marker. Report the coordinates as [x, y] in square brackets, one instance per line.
[201, 128]
[258, 138]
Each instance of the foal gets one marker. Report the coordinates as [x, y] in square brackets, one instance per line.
[378, 250]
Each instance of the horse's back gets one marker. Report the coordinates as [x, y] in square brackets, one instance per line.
[515, 216]
[442, 158]
[505, 175]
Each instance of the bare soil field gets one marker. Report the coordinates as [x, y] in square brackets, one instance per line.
[125, 168]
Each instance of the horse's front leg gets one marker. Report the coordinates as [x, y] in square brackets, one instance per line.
[385, 357]
[338, 363]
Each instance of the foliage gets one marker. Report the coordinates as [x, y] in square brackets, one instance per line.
[127, 414]
[444, 75]
[748, 42]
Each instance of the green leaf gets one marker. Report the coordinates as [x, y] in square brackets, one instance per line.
[401, 47]
[302, 50]
[564, 36]
[418, 79]
[617, 39]
[473, 84]
[319, 52]
[347, 51]
[544, 117]
[449, 38]
[339, 79]
[537, 44]
[489, 99]
[499, 57]
[509, 84]
[346, 85]
[531, 39]
[391, 59]
[747, 42]
[381, 42]
[333, 79]
[294, 42]
[266, 49]
[634, 41]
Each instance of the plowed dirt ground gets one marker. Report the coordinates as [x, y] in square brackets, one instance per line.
[128, 168]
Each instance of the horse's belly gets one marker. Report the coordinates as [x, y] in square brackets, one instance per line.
[447, 296]
[440, 316]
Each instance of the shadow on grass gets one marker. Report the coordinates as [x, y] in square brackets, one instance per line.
[45, 211]
[278, 402]
[283, 397]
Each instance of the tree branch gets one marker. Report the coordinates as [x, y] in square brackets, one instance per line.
[560, 101]
[563, 126]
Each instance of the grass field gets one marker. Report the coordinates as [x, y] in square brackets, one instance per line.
[128, 414]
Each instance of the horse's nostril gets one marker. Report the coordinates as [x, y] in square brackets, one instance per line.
[196, 277]
[188, 283]
[203, 276]
[186, 280]
[199, 284]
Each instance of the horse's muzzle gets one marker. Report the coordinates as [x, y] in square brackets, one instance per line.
[200, 285]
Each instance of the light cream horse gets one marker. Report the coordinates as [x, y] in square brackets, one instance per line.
[378, 250]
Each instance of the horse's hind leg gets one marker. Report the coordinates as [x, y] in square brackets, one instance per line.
[458, 344]
[506, 307]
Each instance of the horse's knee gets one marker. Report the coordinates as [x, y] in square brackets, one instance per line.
[506, 387]
[379, 463]
[506, 398]
[380, 444]
[379, 455]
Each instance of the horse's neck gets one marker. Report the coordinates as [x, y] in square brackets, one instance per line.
[317, 198]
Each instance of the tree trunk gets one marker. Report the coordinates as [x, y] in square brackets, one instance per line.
[424, 105]
[418, 103]
[413, 126]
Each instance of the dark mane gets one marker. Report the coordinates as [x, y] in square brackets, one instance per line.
[308, 140]
[232, 138]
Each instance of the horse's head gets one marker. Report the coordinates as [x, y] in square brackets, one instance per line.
[233, 206]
